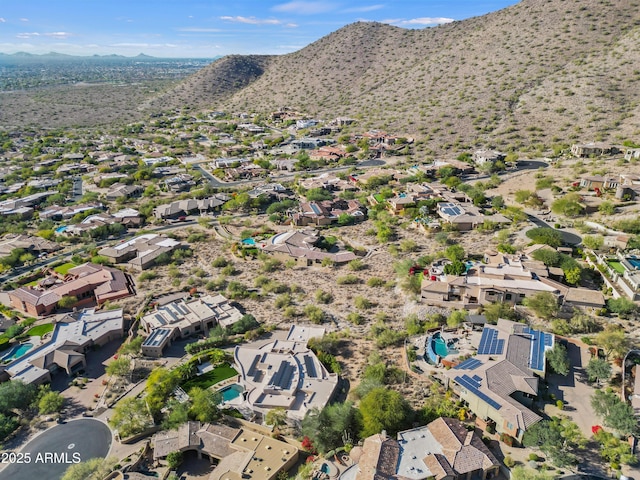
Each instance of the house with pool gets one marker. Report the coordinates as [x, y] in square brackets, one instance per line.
[286, 374]
[65, 350]
[500, 382]
[621, 272]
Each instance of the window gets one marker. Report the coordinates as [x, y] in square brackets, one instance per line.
[508, 296]
[509, 426]
[521, 295]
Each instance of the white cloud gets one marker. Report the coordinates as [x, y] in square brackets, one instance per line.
[199, 30]
[364, 8]
[304, 7]
[421, 21]
[28, 35]
[58, 35]
[256, 21]
[24, 19]
[2, 20]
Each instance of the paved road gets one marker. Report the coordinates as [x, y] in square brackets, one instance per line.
[567, 237]
[78, 440]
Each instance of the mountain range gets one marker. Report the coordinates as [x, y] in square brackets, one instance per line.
[528, 76]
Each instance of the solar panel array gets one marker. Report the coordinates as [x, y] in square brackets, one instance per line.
[489, 343]
[310, 367]
[283, 376]
[470, 364]
[472, 385]
[451, 210]
[539, 341]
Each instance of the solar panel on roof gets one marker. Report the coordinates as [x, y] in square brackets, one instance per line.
[315, 209]
[465, 382]
[310, 367]
[477, 378]
[470, 364]
[548, 339]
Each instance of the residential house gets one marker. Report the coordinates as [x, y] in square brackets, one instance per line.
[285, 374]
[57, 212]
[509, 282]
[142, 251]
[304, 247]
[327, 212]
[181, 208]
[500, 383]
[88, 283]
[301, 124]
[73, 336]
[239, 452]
[598, 182]
[229, 162]
[584, 150]
[632, 154]
[120, 190]
[33, 244]
[398, 204]
[327, 181]
[189, 317]
[482, 157]
[327, 153]
[468, 217]
[442, 450]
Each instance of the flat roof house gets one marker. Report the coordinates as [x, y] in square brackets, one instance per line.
[142, 251]
[285, 373]
[188, 317]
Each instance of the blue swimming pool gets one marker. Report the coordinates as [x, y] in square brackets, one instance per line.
[249, 241]
[439, 345]
[231, 392]
[61, 229]
[17, 351]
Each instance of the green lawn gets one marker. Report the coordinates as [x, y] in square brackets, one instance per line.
[212, 377]
[617, 266]
[40, 330]
[64, 268]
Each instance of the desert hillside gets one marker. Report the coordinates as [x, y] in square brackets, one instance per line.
[536, 73]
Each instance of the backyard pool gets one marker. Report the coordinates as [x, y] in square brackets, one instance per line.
[61, 229]
[439, 345]
[17, 351]
[231, 392]
[249, 241]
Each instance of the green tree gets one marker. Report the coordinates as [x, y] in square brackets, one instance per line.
[495, 311]
[174, 459]
[384, 409]
[616, 414]
[133, 347]
[544, 304]
[522, 473]
[545, 235]
[67, 301]
[456, 317]
[93, 469]
[598, 369]
[335, 425]
[613, 341]
[455, 253]
[607, 208]
[160, 385]
[8, 423]
[50, 402]
[622, 306]
[16, 395]
[276, 417]
[558, 359]
[558, 438]
[615, 450]
[570, 205]
[131, 416]
[594, 242]
[456, 267]
[120, 367]
[204, 404]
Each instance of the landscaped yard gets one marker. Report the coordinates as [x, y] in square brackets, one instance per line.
[617, 266]
[212, 377]
[64, 268]
[40, 330]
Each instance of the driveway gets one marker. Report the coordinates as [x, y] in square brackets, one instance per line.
[51, 452]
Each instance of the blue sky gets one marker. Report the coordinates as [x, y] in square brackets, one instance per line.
[207, 28]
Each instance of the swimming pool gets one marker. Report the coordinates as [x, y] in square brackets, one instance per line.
[61, 229]
[439, 345]
[231, 392]
[17, 351]
[249, 241]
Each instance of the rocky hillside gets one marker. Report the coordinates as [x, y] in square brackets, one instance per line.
[536, 73]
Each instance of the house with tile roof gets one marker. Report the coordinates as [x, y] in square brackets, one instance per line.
[91, 284]
[501, 381]
[72, 337]
[443, 450]
[302, 246]
[142, 251]
[240, 453]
